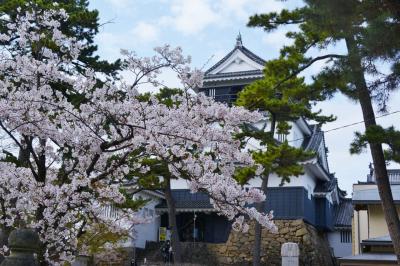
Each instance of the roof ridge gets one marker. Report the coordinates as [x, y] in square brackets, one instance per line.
[244, 50]
[258, 59]
[220, 61]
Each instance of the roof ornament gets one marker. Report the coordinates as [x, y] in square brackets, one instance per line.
[239, 40]
[371, 173]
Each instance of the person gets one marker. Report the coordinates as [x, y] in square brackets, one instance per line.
[165, 251]
[170, 257]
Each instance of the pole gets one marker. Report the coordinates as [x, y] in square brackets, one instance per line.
[194, 228]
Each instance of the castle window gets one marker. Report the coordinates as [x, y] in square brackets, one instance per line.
[345, 236]
[211, 93]
[281, 137]
[309, 191]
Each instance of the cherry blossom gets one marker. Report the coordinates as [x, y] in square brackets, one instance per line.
[79, 154]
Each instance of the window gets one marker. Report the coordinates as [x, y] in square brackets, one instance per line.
[309, 191]
[345, 236]
[110, 211]
[151, 213]
[281, 137]
[211, 93]
[145, 212]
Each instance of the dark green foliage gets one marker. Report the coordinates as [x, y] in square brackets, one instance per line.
[10, 158]
[380, 135]
[82, 24]
[153, 179]
[284, 103]
[244, 174]
[158, 173]
[133, 204]
[370, 29]
[283, 159]
[373, 25]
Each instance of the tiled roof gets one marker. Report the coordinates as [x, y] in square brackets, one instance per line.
[377, 258]
[380, 239]
[313, 142]
[234, 74]
[393, 174]
[245, 51]
[184, 199]
[325, 186]
[393, 171]
[371, 196]
[343, 213]
[252, 56]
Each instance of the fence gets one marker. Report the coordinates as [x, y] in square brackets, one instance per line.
[24, 243]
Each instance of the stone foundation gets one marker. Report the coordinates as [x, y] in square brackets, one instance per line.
[314, 247]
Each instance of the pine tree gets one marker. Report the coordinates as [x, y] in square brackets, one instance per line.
[370, 31]
[283, 105]
[83, 24]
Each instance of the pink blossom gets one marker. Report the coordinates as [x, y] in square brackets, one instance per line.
[76, 164]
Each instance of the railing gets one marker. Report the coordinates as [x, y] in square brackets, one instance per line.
[225, 98]
[394, 177]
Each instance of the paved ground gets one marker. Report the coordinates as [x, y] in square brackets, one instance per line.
[166, 264]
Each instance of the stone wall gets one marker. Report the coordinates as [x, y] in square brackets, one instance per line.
[314, 247]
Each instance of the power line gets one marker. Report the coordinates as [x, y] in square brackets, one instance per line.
[350, 125]
[208, 61]
[360, 122]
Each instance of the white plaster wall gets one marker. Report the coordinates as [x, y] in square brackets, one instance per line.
[306, 180]
[339, 249]
[231, 66]
[148, 231]
[179, 184]
[296, 136]
[237, 65]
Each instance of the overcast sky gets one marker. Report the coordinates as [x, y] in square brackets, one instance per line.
[206, 30]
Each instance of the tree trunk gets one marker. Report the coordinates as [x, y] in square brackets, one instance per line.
[257, 228]
[176, 244]
[382, 179]
[261, 208]
[23, 154]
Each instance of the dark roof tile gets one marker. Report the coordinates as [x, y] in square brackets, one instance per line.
[313, 142]
[343, 213]
[233, 74]
[325, 186]
[184, 199]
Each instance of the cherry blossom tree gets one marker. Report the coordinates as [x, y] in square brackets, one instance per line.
[78, 156]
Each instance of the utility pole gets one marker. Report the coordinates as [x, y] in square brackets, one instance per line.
[194, 228]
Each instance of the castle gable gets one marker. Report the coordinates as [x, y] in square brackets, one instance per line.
[238, 61]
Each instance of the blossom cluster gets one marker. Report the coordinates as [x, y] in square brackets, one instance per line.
[79, 154]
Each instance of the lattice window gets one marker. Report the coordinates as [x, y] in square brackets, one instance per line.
[282, 137]
[345, 236]
[211, 93]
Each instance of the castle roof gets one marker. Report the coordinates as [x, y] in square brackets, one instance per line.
[343, 214]
[371, 196]
[186, 201]
[239, 63]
